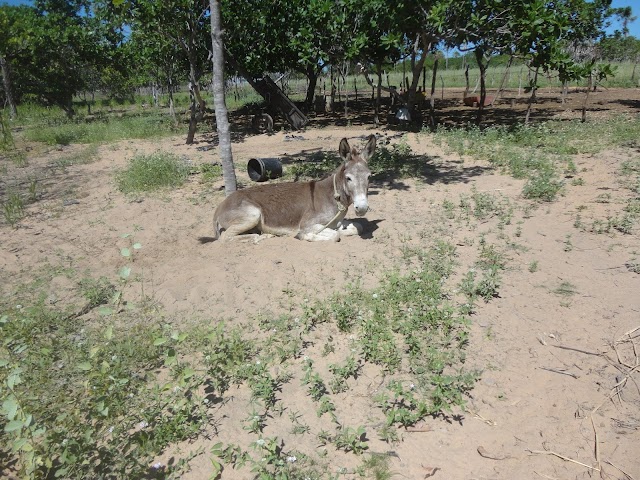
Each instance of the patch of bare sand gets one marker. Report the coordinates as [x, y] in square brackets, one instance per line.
[518, 406]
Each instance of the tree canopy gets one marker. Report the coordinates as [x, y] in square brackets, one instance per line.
[55, 49]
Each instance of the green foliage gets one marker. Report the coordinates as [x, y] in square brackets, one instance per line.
[13, 208]
[81, 157]
[341, 373]
[565, 289]
[397, 160]
[225, 357]
[210, 171]
[351, 440]
[134, 382]
[106, 420]
[490, 263]
[317, 389]
[377, 467]
[104, 129]
[6, 138]
[633, 265]
[56, 55]
[97, 292]
[146, 173]
[318, 167]
[542, 186]
[537, 153]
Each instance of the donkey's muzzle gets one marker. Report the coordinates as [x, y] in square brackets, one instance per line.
[361, 210]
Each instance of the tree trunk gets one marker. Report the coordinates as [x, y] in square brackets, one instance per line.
[586, 99]
[483, 87]
[417, 69]
[67, 105]
[172, 110]
[333, 88]
[8, 91]
[532, 98]
[197, 106]
[466, 81]
[376, 118]
[193, 122]
[222, 120]
[312, 76]
[355, 87]
[432, 99]
[344, 72]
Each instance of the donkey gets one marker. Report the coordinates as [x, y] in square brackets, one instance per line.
[312, 211]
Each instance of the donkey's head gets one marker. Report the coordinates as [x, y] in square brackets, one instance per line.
[356, 173]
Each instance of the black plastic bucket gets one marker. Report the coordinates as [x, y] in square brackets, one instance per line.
[261, 169]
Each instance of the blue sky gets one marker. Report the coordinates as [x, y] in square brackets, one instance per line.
[634, 27]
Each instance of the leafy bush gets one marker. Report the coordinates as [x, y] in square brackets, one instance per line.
[543, 185]
[81, 403]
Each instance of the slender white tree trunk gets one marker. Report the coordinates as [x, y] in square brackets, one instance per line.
[222, 119]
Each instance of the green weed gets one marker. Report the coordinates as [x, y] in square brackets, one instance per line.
[210, 171]
[81, 157]
[13, 208]
[102, 129]
[376, 466]
[537, 152]
[147, 173]
[565, 289]
[543, 185]
[633, 265]
[351, 440]
[79, 405]
[568, 245]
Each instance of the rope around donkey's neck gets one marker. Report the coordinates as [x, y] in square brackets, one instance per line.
[341, 207]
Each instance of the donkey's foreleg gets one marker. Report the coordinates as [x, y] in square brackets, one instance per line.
[317, 233]
[348, 228]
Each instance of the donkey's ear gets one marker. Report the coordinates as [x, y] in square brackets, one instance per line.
[345, 149]
[369, 148]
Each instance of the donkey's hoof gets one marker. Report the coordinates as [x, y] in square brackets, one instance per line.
[351, 228]
[261, 237]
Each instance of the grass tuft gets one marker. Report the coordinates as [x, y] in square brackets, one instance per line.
[147, 173]
[539, 152]
[102, 129]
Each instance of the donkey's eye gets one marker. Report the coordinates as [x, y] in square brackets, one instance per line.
[349, 179]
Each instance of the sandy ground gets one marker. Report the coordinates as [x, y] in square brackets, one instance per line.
[549, 360]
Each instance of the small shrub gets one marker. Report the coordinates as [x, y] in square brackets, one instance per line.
[210, 171]
[97, 292]
[147, 173]
[633, 265]
[319, 166]
[565, 289]
[542, 186]
[13, 208]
